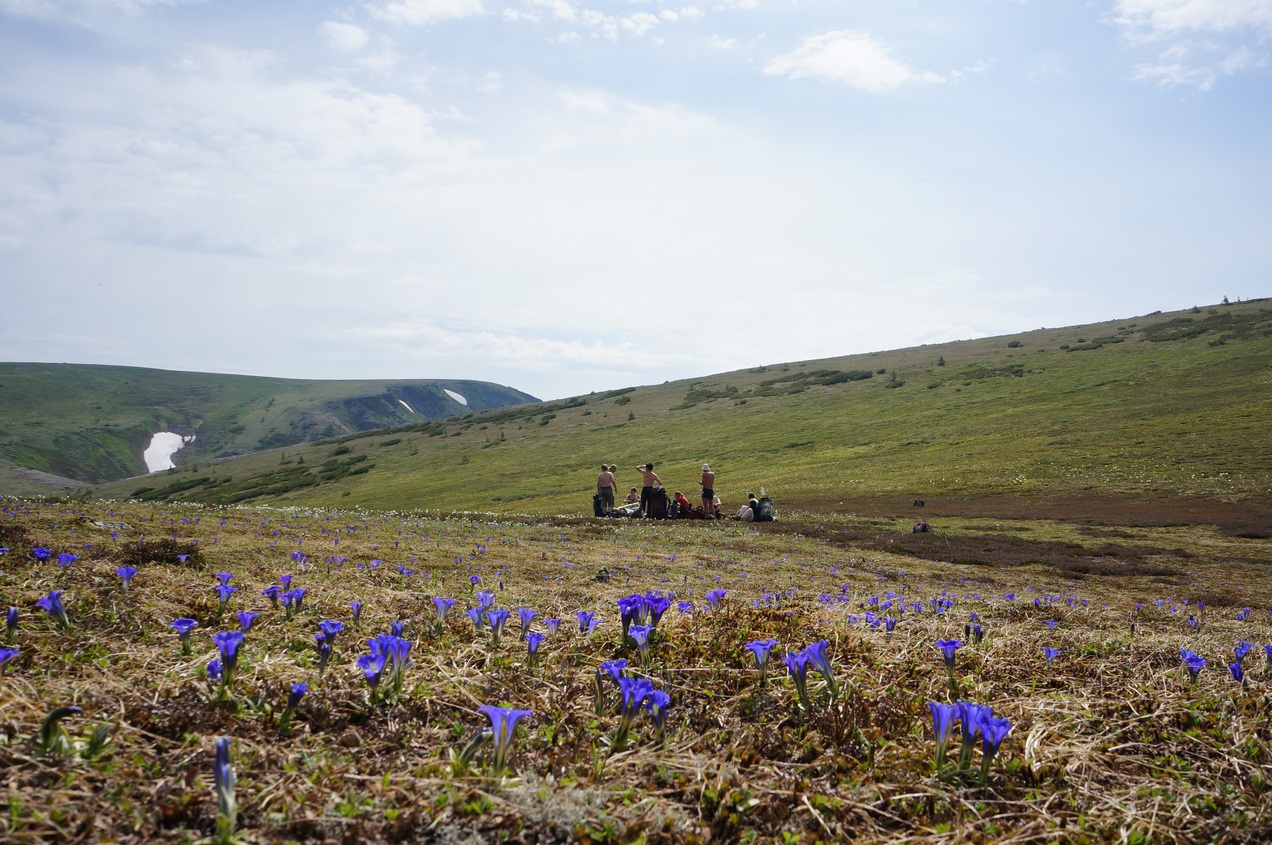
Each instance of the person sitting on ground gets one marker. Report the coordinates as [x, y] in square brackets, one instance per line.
[746, 513]
[633, 497]
[685, 507]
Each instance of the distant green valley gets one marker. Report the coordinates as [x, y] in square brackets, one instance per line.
[65, 425]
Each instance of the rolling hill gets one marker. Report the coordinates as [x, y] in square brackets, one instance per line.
[65, 425]
[1166, 406]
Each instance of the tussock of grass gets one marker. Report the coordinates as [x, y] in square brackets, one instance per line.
[1109, 743]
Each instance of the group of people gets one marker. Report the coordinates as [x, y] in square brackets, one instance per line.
[641, 503]
[645, 502]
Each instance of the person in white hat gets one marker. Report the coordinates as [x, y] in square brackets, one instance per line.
[708, 491]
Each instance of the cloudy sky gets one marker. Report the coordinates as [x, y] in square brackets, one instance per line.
[576, 195]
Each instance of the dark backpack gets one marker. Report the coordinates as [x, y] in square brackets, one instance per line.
[657, 503]
[765, 512]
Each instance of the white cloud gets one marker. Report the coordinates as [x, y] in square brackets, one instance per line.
[561, 9]
[609, 119]
[1175, 68]
[344, 36]
[738, 4]
[420, 12]
[1205, 40]
[854, 58]
[692, 13]
[715, 42]
[639, 23]
[669, 15]
[1153, 18]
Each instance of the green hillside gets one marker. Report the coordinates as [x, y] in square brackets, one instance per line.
[91, 423]
[1169, 405]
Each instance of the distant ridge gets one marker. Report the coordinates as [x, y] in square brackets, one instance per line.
[1164, 407]
[90, 423]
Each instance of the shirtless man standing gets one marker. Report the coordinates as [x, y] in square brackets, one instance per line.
[651, 480]
[606, 484]
[708, 491]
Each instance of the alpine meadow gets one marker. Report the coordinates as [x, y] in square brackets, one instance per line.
[420, 633]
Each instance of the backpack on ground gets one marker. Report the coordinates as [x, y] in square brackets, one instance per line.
[766, 512]
[657, 503]
[598, 505]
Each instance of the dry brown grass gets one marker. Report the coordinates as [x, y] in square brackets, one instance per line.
[1108, 744]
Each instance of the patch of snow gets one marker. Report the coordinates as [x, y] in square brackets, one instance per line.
[408, 407]
[452, 394]
[165, 444]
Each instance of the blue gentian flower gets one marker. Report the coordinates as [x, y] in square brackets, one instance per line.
[271, 593]
[7, 654]
[503, 721]
[331, 627]
[228, 644]
[223, 592]
[993, 731]
[587, 622]
[533, 640]
[525, 614]
[53, 604]
[126, 574]
[656, 704]
[948, 647]
[642, 634]
[632, 692]
[497, 617]
[355, 607]
[389, 654]
[970, 716]
[11, 627]
[552, 625]
[1050, 653]
[715, 597]
[443, 606]
[372, 667]
[184, 626]
[292, 601]
[245, 620]
[65, 559]
[324, 643]
[761, 648]
[41, 554]
[943, 716]
[797, 664]
[474, 613]
[223, 782]
[821, 662]
[1193, 662]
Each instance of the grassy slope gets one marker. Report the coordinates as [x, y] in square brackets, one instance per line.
[93, 422]
[1137, 417]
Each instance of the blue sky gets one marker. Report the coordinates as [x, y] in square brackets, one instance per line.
[577, 195]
